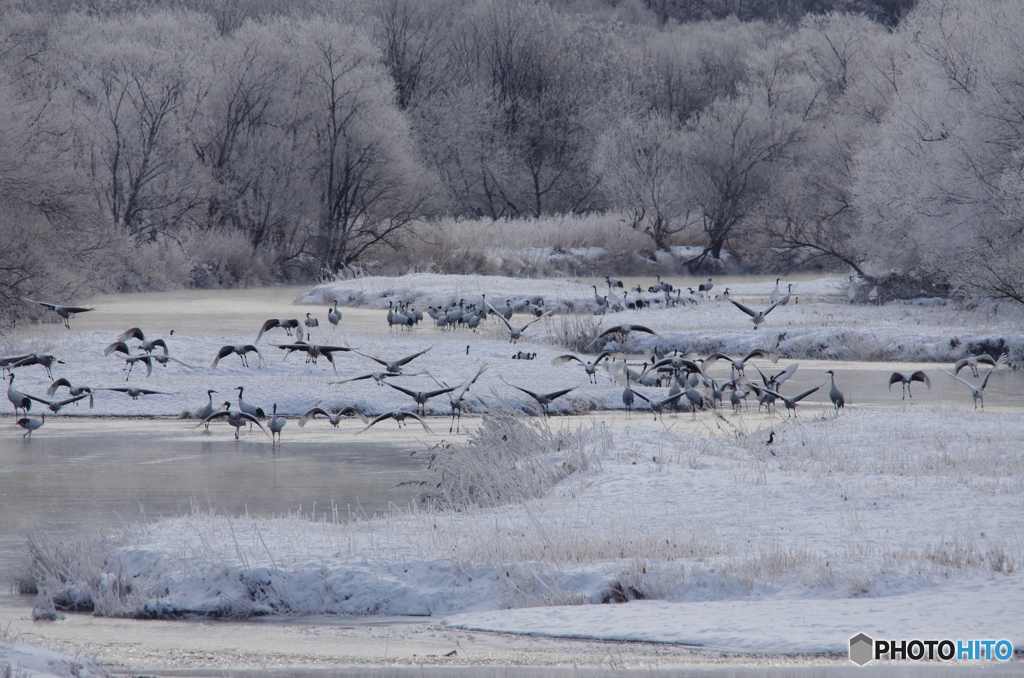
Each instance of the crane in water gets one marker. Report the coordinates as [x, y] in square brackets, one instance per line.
[905, 380]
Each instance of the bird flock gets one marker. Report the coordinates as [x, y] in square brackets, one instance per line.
[659, 380]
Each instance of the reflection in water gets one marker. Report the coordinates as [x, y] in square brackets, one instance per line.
[91, 474]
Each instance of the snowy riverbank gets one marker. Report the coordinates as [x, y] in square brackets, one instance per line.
[900, 508]
[32, 661]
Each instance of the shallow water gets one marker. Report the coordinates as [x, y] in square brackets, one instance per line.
[93, 474]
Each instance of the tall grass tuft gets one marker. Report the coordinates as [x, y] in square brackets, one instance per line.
[576, 332]
[510, 458]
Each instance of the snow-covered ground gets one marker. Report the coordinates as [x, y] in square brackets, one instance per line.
[879, 520]
[817, 323]
[897, 521]
[32, 661]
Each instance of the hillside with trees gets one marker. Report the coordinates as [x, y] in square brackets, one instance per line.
[193, 143]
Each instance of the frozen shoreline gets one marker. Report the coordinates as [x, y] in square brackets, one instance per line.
[704, 522]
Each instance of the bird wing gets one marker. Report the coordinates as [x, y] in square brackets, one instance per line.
[292, 347]
[921, 376]
[402, 389]
[218, 413]
[254, 420]
[420, 420]
[57, 384]
[161, 343]
[132, 333]
[693, 366]
[559, 394]
[648, 330]
[984, 382]
[31, 359]
[146, 391]
[118, 346]
[540, 317]
[356, 411]
[223, 352]
[42, 303]
[742, 308]
[786, 373]
[986, 359]
[465, 386]
[251, 347]
[894, 378]
[772, 307]
[960, 364]
[529, 393]
[268, 325]
[672, 398]
[715, 357]
[72, 399]
[500, 316]
[640, 395]
[562, 359]
[440, 391]
[330, 349]
[964, 381]
[412, 357]
[382, 417]
[761, 353]
[602, 356]
[376, 360]
[77, 309]
[304, 419]
[806, 393]
[43, 401]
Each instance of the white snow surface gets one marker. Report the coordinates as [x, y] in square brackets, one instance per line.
[33, 661]
[871, 521]
[970, 609]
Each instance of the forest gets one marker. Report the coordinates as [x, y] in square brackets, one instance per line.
[159, 145]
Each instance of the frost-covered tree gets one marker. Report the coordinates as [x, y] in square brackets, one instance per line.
[540, 87]
[48, 230]
[133, 85]
[246, 137]
[936, 184]
[846, 66]
[640, 162]
[360, 161]
[731, 154]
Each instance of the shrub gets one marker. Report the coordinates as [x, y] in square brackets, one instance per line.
[510, 458]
